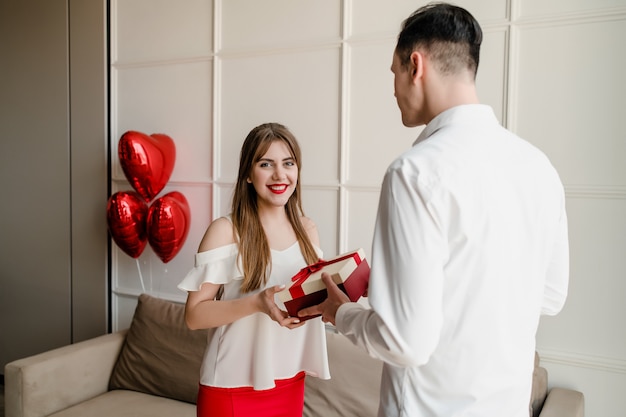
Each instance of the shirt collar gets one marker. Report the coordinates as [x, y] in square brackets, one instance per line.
[463, 114]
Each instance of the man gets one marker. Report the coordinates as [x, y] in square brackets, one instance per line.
[470, 244]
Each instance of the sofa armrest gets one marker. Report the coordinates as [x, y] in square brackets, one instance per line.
[42, 384]
[563, 402]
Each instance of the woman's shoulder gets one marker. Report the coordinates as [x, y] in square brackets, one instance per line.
[307, 222]
[311, 229]
[219, 233]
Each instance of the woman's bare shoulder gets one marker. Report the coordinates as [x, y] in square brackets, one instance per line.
[307, 222]
[311, 229]
[219, 233]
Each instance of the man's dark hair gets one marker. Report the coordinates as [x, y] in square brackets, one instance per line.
[448, 34]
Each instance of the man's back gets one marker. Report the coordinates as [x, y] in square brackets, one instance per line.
[490, 215]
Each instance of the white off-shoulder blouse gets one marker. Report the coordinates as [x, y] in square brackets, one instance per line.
[255, 351]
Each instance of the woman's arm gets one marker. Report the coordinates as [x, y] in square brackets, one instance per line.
[203, 311]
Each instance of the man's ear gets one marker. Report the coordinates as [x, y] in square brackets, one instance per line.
[417, 65]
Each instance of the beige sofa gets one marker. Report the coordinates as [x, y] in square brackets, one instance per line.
[151, 370]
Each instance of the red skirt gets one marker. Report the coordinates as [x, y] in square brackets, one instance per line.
[284, 400]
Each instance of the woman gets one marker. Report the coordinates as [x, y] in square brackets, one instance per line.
[252, 365]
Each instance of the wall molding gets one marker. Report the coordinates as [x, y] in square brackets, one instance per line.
[580, 360]
[126, 292]
[596, 191]
[568, 18]
[227, 53]
[124, 65]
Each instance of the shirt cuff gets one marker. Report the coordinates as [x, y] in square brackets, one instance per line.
[346, 310]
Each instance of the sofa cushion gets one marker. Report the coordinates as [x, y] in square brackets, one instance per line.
[160, 355]
[353, 389]
[120, 403]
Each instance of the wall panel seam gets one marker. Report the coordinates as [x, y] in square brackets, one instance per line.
[344, 128]
[216, 80]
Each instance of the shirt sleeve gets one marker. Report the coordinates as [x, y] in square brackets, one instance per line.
[217, 266]
[409, 252]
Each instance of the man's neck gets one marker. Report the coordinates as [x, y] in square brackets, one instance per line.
[452, 93]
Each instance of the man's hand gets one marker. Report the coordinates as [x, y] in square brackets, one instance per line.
[328, 308]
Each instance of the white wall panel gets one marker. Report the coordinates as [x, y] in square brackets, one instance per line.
[252, 24]
[597, 287]
[173, 99]
[300, 90]
[374, 120]
[566, 98]
[125, 306]
[161, 29]
[322, 206]
[492, 73]
[569, 101]
[486, 11]
[362, 206]
[375, 17]
[223, 199]
[562, 8]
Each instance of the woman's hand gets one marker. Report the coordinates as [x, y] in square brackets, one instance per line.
[268, 306]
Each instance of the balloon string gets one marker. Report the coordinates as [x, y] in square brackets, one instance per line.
[143, 287]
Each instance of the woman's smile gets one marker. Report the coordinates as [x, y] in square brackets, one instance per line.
[278, 188]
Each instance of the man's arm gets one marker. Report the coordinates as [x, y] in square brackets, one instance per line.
[406, 279]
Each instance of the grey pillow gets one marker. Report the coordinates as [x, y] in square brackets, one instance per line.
[160, 355]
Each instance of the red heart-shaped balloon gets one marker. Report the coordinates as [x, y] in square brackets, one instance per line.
[126, 219]
[169, 218]
[147, 161]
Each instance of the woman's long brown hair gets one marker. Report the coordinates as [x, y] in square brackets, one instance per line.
[254, 248]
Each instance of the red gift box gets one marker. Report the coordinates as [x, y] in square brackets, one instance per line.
[350, 271]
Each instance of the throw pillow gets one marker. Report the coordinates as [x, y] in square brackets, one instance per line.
[160, 355]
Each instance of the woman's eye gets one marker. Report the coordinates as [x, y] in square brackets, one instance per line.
[290, 163]
[264, 164]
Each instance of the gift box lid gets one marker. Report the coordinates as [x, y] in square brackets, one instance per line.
[309, 279]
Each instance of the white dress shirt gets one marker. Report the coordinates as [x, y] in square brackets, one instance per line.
[470, 248]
